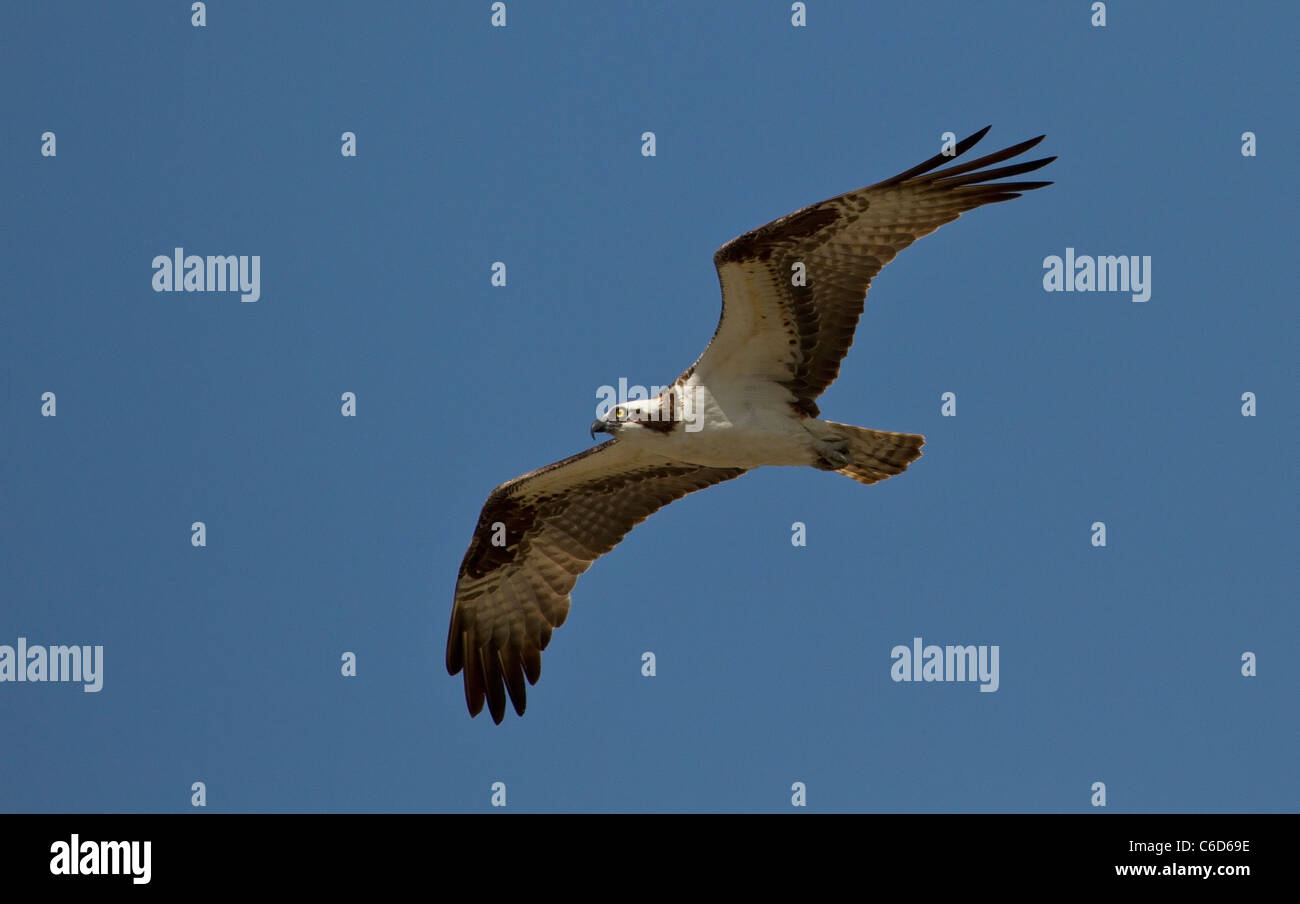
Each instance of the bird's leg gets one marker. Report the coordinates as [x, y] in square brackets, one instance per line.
[832, 451]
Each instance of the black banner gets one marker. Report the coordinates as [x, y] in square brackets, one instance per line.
[217, 851]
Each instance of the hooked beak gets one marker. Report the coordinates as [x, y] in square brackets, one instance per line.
[599, 427]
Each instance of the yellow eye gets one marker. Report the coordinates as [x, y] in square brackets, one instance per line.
[620, 413]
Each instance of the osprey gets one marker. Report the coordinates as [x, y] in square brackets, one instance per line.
[792, 292]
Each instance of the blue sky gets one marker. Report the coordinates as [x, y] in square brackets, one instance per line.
[328, 534]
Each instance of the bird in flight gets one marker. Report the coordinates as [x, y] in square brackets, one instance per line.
[792, 292]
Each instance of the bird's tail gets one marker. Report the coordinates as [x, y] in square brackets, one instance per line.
[877, 454]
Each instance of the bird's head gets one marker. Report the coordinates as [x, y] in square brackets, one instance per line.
[629, 417]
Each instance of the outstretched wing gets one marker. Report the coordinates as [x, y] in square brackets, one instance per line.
[551, 525]
[797, 335]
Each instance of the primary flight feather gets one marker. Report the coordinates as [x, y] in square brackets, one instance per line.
[749, 401]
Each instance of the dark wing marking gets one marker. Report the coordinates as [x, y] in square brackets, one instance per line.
[556, 522]
[798, 335]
